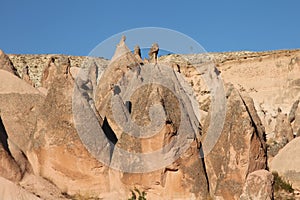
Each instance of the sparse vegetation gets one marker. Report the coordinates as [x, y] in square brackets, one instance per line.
[79, 197]
[280, 184]
[137, 195]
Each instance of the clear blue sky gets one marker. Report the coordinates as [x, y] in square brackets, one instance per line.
[76, 27]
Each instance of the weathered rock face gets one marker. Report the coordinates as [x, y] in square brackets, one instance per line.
[6, 64]
[283, 134]
[38, 63]
[270, 78]
[58, 153]
[8, 167]
[287, 163]
[294, 118]
[43, 142]
[239, 151]
[185, 178]
[18, 104]
[10, 191]
[258, 186]
[283, 128]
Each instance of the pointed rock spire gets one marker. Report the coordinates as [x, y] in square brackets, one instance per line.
[121, 49]
[6, 64]
[137, 54]
[153, 53]
[25, 75]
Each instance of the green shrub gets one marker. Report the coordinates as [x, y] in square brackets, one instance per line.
[137, 195]
[280, 184]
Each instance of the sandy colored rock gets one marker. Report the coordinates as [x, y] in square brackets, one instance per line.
[283, 128]
[137, 54]
[173, 180]
[270, 78]
[20, 158]
[18, 104]
[11, 191]
[153, 53]
[258, 186]
[38, 63]
[292, 114]
[26, 77]
[120, 63]
[41, 187]
[6, 64]
[283, 134]
[239, 151]
[44, 143]
[295, 115]
[58, 153]
[12, 84]
[57, 65]
[9, 169]
[287, 163]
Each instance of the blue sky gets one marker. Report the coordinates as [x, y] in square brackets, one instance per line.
[76, 27]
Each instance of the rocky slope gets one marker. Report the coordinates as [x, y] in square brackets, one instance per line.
[62, 138]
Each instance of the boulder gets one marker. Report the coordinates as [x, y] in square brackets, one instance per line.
[258, 186]
[240, 149]
[287, 163]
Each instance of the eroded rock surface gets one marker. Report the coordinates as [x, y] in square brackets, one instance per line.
[287, 163]
[167, 179]
[11, 191]
[6, 64]
[240, 149]
[44, 154]
[9, 169]
[258, 186]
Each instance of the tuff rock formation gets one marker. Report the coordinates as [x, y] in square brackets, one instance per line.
[153, 53]
[10, 191]
[9, 169]
[6, 64]
[68, 135]
[283, 133]
[258, 186]
[272, 80]
[161, 180]
[294, 118]
[287, 162]
[240, 149]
